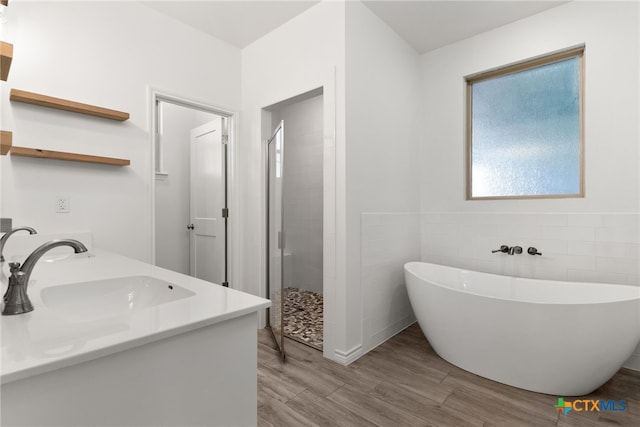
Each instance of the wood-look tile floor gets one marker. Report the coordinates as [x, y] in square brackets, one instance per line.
[404, 383]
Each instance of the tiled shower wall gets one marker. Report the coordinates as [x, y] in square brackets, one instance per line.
[575, 247]
[303, 186]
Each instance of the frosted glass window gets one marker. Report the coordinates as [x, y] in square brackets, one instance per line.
[524, 129]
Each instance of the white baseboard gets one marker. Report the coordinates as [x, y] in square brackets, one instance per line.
[347, 357]
[633, 362]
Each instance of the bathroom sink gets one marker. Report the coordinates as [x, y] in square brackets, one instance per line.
[100, 299]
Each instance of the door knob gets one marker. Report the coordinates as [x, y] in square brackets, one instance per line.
[190, 227]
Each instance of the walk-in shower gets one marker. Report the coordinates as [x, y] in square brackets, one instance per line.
[295, 220]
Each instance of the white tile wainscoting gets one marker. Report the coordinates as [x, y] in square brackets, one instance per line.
[575, 247]
[589, 247]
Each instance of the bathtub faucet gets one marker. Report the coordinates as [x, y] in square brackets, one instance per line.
[509, 250]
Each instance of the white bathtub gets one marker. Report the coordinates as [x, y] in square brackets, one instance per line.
[560, 338]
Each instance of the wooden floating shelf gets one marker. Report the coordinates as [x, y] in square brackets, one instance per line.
[6, 55]
[59, 155]
[66, 105]
[6, 140]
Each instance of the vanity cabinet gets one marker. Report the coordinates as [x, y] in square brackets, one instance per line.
[206, 377]
[95, 358]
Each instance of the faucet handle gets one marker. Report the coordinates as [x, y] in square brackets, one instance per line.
[503, 248]
[14, 266]
[533, 251]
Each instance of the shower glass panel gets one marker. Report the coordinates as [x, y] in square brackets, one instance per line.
[275, 235]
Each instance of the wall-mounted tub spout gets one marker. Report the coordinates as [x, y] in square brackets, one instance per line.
[515, 250]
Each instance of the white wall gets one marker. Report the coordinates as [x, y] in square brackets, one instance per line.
[302, 189]
[375, 167]
[107, 54]
[594, 238]
[172, 201]
[383, 134]
[388, 241]
[610, 32]
[303, 54]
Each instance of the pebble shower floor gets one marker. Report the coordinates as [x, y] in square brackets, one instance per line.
[303, 316]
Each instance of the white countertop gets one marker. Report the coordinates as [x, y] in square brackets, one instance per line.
[44, 340]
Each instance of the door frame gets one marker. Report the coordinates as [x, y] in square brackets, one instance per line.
[158, 95]
[333, 263]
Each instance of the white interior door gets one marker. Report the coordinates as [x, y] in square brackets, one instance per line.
[207, 238]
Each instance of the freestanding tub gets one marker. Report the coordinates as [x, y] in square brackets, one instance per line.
[560, 338]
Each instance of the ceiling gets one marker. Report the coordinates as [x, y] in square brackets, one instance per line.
[424, 24]
[239, 23]
[427, 25]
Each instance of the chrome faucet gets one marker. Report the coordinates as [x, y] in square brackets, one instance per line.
[8, 234]
[16, 300]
